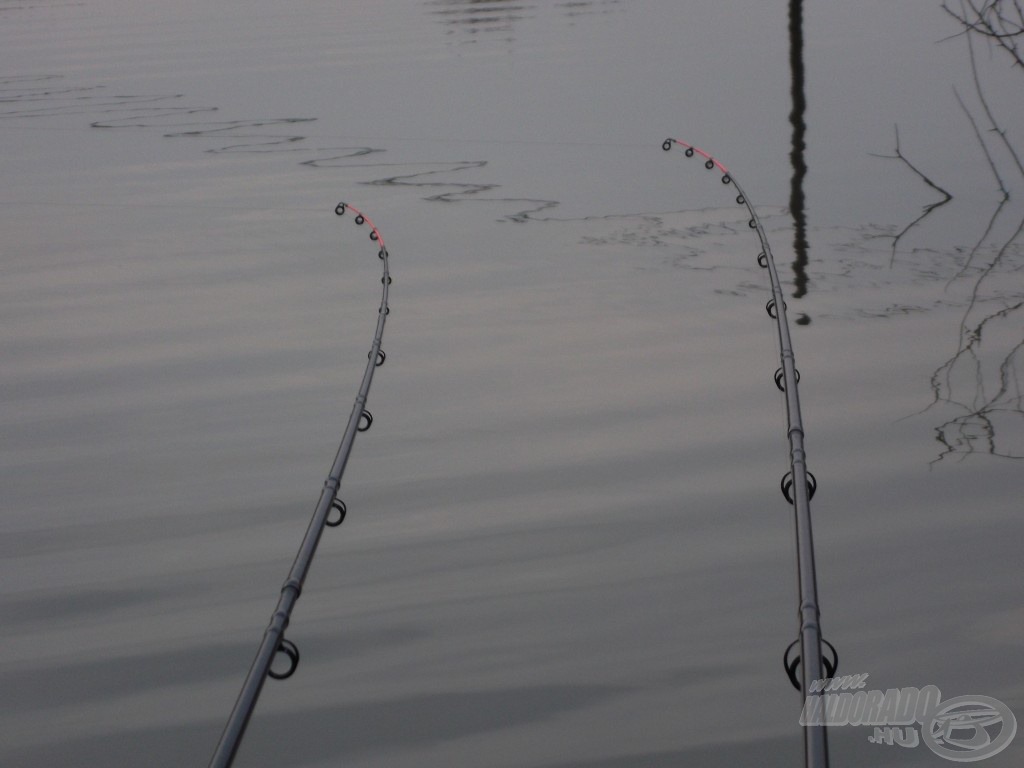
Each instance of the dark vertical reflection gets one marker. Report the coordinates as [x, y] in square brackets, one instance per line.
[796, 154]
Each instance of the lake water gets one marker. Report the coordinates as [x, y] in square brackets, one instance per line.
[565, 545]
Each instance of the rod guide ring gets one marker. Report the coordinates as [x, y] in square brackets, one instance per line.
[791, 664]
[365, 421]
[338, 506]
[780, 378]
[289, 649]
[787, 486]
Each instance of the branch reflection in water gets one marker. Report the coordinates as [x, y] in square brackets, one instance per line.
[981, 386]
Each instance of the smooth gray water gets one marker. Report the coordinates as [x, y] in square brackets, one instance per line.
[565, 543]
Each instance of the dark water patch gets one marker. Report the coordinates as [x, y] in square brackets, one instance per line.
[129, 674]
[596, 473]
[700, 674]
[73, 605]
[83, 682]
[169, 746]
[72, 536]
[847, 746]
[174, 367]
[428, 719]
[495, 551]
[771, 752]
[328, 733]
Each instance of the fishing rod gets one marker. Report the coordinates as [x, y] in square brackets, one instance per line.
[798, 486]
[330, 512]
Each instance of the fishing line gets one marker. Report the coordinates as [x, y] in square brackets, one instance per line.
[798, 485]
[330, 512]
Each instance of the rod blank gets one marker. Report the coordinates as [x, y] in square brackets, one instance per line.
[797, 486]
[274, 641]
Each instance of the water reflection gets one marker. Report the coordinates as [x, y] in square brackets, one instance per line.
[25, 98]
[927, 210]
[583, 7]
[476, 16]
[998, 22]
[481, 15]
[980, 384]
[796, 154]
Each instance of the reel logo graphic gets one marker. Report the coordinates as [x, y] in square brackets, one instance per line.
[969, 728]
[962, 729]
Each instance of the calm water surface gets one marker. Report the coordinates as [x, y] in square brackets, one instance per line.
[565, 544]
